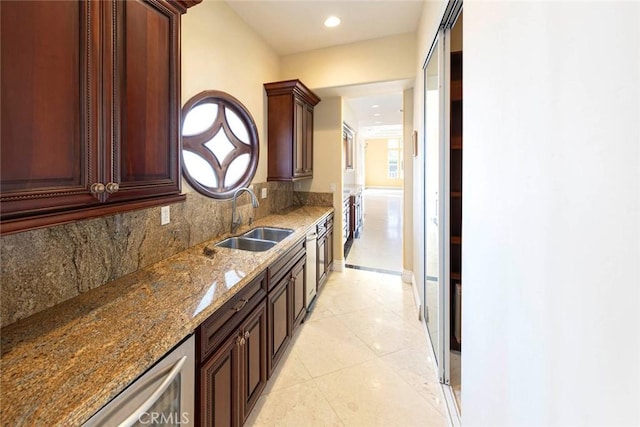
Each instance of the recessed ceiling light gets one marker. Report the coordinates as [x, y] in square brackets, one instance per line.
[378, 123]
[376, 114]
[375, 106]
[332, 21]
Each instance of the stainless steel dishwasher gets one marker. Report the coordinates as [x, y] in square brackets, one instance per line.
[312, 237]
[164, 395]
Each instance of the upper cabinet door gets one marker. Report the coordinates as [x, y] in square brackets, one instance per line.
[90, 109]
[308, 141]
[299, 143]
[50, 57]
[145, 160]
[290, 130]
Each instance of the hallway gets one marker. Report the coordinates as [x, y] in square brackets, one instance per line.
[361, 357]
[380, 243]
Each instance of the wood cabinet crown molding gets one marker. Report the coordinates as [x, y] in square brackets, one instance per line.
[186, 4]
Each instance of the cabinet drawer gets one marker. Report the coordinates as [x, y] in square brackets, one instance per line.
[212, 332]
[283, 264]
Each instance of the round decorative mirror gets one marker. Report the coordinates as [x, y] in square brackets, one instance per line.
[220, 144]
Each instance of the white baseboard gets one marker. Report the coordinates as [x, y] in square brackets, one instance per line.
[338, 265]
[407, 276]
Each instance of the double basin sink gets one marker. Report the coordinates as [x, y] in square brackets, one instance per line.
[256, 240]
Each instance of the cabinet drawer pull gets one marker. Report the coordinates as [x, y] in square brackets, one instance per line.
[112, 187]
[241, 305]
[97, 188]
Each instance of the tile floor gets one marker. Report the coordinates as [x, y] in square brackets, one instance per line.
[380, 243]
[360, 359]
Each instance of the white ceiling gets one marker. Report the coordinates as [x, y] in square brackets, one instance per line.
[295, 26]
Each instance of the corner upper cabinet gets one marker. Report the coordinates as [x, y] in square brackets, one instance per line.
[90, 109]
[290, 130]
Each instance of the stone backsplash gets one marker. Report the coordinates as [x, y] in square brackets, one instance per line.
[44, 267]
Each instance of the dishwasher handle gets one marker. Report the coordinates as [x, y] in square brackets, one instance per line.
[135, 416]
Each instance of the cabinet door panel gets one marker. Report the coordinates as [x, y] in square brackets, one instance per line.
[299, 145]
[298, 292]
[321, 272]
[254, 377]
[308, 140]
[218, 387]
[145, 146]
[49, 105]
[329, 249]
[279, 325]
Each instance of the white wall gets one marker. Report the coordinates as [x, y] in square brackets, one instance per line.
[551, 214]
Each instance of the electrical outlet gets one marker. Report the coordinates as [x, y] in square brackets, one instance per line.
[263, 194]
[165, 215]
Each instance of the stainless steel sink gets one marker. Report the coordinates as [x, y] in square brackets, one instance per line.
[247, 244]
[268, 233]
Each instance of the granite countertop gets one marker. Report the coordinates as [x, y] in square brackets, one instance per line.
[60, 366]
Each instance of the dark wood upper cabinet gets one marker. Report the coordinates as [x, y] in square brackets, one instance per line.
[290, 130]
[90, 109]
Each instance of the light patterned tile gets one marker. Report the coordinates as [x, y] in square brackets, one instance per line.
[383, 331]
[415, 365]
[372, 394]
[327, 345]
[295, 406]
[290, 371]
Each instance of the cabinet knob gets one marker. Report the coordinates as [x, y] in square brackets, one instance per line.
[97, 188]
[112, 187]
[240, 340]
[247, 334]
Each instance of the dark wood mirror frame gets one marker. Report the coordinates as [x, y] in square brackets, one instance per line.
[196, 144]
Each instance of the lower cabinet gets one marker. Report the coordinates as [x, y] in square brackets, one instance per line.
[232, 357]
[279, 325]
[324, 229]
[286, 304]
[239, 345]
[297, 289]
[219, 402]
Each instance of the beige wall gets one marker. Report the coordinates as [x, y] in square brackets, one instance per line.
[327, 161]
[376, 165]
[431, 15]
[349, 117]
[407, 195]
[388, 58]
[219, 51]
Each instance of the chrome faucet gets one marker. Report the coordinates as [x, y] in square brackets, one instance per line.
[236, 218]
